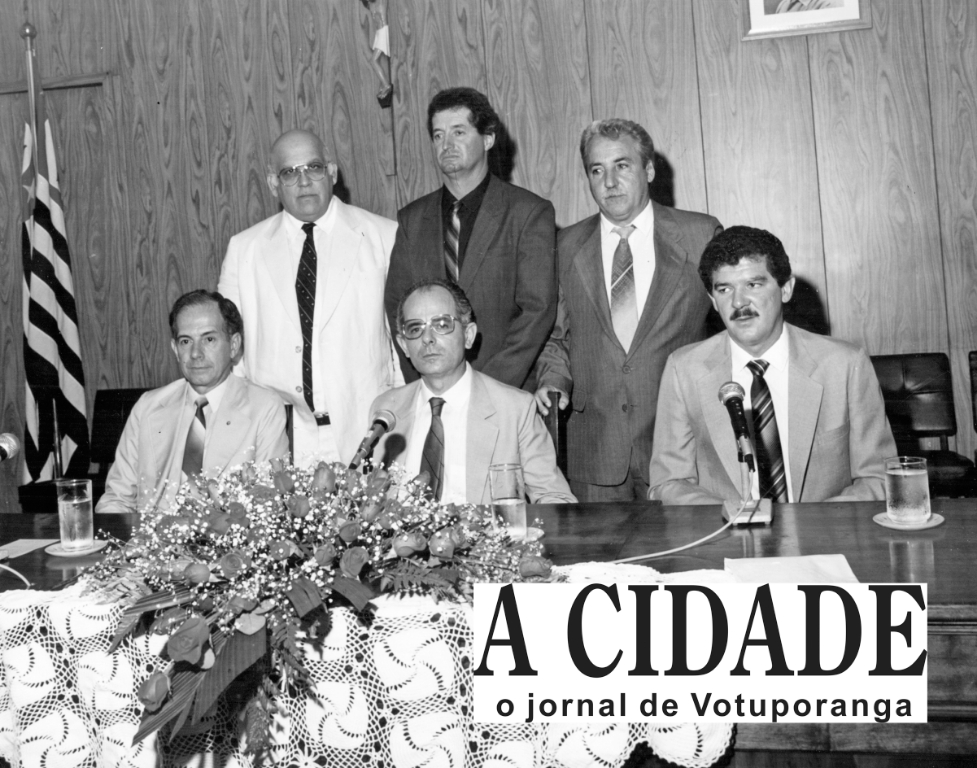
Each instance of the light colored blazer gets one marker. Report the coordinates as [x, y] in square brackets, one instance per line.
[838, 434]
[248, 426]
[614, 392]
[503, 428]
[353, 346]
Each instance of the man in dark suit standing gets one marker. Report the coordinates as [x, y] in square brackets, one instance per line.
[628, 297]
[495, 240]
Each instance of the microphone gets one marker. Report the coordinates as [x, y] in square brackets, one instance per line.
[731, 395]
[9, 446]
[383, 422]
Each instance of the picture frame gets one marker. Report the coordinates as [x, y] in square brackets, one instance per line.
[762, 19]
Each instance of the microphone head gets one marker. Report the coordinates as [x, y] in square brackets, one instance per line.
[385, 417]
[731, 390]
[10, 444]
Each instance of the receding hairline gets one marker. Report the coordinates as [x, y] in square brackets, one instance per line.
[294, 136]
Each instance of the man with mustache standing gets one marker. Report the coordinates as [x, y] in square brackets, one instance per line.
[493, 239]
[813, 403]
[629, 297]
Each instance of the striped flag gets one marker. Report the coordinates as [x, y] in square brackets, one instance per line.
[52, 352]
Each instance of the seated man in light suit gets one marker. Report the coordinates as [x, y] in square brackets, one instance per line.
[813, 403]
[207, 422]
[455, 422]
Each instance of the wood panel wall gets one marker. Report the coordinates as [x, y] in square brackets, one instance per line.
[857, 148]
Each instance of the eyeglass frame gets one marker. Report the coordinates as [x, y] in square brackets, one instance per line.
[455, 320]
[305, 169]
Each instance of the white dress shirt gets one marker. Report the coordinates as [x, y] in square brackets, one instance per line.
[454, 419]
[776, 377]
[642, 242]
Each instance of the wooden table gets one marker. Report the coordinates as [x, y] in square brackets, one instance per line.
[944, 557]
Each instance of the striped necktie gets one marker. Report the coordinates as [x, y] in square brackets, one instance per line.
[452, 257]
[305, 294]
[772, 474]
[432, 457]
[193, 453]
[624, 302]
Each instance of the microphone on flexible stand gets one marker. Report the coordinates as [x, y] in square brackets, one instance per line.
[731, 395]
[383, 422]
[9, 446]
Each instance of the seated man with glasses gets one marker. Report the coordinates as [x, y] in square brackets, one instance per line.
[309, 283]
[456, 422]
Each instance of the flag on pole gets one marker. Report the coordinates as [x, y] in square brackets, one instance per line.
[52, 351]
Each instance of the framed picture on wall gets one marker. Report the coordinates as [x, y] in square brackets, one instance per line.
[779, 18]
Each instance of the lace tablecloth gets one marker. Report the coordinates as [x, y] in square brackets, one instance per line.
[395, 695]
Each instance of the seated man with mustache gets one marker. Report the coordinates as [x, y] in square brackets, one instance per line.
[813, 404]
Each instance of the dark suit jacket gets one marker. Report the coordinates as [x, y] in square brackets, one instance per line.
[838, 432]
[508, 273]
[614, 393]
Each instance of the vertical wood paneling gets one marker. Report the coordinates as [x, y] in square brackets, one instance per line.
[248, 85]
[951, 47]
[13, 113]
[877, 188]
[336, 96]
[78, 37]
[171, 250]
[12, 16]
[435, 45]
[758, 135]
[642, 65]
[539, 83]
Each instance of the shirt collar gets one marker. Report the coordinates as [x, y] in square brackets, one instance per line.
[214, 397]
[644, 222]
[324, 222]
[776, 356]
[458, 392]
[471, 201]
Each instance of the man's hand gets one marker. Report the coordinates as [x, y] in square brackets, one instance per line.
[543, 398]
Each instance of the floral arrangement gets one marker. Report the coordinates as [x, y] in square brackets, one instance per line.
[245, 567]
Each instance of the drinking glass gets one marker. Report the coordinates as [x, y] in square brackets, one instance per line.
[509, 497]
[75, 514]
[907, 491]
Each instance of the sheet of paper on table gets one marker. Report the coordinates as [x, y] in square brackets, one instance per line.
[804, 569]
[23, 546]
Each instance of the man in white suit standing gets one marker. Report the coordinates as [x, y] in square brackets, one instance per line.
[309, 284]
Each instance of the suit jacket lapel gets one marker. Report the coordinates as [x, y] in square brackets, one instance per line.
[480, 444]
[334, 274]
[273, 255]
[589, 264]
[714, 414]
[804, 406]
[230, 427]
[171, 437]
[483, 232]
[669, 260]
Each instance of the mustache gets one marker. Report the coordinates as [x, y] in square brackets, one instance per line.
[743, 313]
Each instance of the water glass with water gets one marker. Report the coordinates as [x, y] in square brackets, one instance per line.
[907, 492]
[509, 497]
[75, 514]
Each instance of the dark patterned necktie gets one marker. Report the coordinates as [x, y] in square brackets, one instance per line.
[193, 453]
[624, 302]
[305, 294]
[772, 474]
[452, 258]
[432, 458]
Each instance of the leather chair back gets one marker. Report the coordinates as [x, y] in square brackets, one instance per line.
[918, 394]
